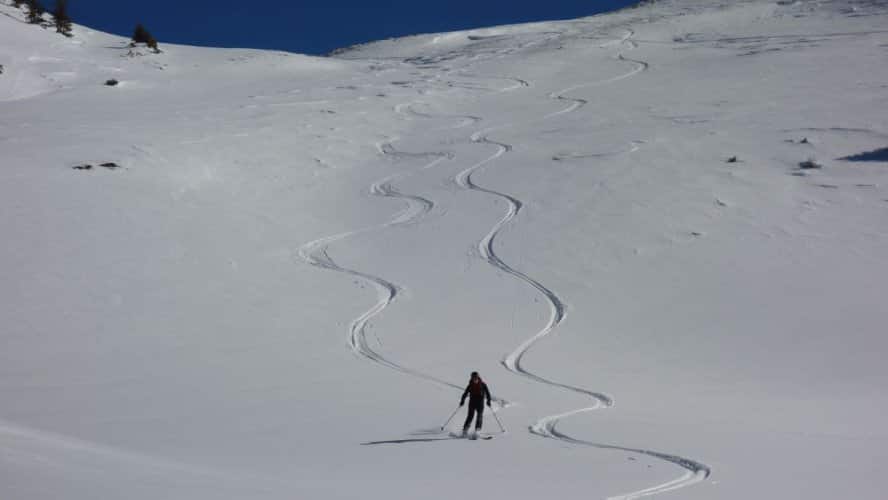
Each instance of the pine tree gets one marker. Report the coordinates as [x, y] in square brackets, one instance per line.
[35, 11]
[141, 35]
[61, 18]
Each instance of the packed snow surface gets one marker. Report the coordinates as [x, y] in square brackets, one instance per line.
[660, 235]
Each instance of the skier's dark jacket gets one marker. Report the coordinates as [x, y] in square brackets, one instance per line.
[477, 393]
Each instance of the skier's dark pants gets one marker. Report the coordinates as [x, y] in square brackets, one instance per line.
[475, 407]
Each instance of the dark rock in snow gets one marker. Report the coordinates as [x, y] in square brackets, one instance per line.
[87, 166]
[111, 83]
[810, 165]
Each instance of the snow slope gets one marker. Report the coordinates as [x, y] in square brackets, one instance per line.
[282, 289]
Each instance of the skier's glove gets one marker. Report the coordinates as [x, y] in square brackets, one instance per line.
[488, 404]
[462, 403]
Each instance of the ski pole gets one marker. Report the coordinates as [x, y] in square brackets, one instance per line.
[498, 420]
[451, 417]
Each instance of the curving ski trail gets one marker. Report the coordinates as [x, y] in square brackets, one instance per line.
[519, 83]
[577, 103]
[694, 471]
[547, 426]
[465, 120]
[633, 147]
[316, 254]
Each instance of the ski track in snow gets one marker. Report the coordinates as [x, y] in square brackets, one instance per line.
[547, 427]
[464, 120]
[695, 471]
[316, 254]
[577, 103]
[633, 147]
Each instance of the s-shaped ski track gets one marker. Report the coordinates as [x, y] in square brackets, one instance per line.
[546, 427]
[316, 254]
[577, 103]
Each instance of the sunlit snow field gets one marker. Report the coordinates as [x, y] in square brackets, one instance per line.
[282, 289]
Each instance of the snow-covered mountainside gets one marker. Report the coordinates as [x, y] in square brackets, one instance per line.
[660, 235]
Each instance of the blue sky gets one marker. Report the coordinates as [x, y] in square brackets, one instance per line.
[314, 27]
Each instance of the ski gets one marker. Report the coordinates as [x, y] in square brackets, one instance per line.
[471, 436]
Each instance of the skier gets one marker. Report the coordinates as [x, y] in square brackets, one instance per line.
[477, 392]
